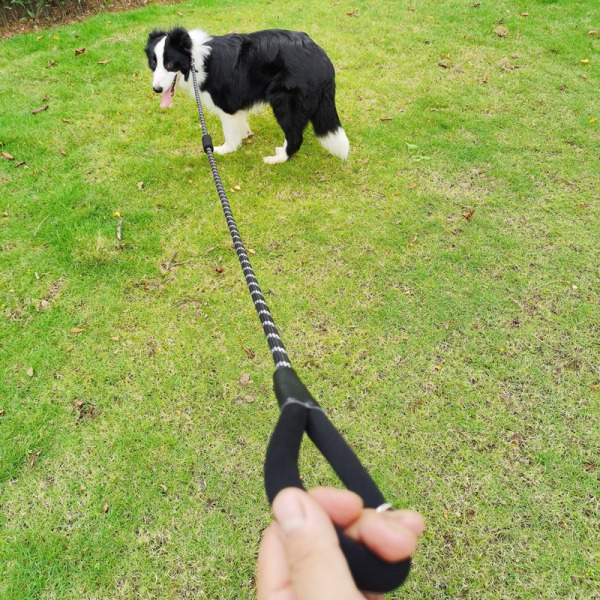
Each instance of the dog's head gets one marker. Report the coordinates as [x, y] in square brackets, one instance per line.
[169, 54]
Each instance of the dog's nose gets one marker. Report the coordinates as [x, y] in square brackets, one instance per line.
[157, 89]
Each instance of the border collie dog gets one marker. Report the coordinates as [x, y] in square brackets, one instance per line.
[239, 73]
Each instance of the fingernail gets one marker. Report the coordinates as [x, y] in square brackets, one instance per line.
[289, 511]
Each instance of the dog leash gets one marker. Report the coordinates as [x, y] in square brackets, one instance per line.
[299, 413]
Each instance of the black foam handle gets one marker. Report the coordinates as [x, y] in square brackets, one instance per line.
[299, 413]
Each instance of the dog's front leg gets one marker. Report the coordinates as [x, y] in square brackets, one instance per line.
[235, 129]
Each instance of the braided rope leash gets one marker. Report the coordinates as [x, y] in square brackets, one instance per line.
[299, 413]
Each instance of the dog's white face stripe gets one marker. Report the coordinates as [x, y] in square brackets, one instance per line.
[162, 78]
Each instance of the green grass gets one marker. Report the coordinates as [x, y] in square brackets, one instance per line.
[460, 358]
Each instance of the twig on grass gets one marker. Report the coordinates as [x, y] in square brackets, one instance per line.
[119, 225]
[38, 227]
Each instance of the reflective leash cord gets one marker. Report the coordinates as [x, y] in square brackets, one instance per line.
[299, 413]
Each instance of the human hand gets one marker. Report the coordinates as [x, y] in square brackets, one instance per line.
[300, 557]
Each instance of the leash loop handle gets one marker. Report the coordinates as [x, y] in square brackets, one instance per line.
[301, 413]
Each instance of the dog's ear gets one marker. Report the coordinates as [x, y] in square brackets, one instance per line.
[180, 38]
[154, 35]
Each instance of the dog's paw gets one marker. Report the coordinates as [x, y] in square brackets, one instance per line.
[280, 157]
[224, 149]
[247, 133]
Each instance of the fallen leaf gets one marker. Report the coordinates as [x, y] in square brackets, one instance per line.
[20, 164]
[116, 213]
[163, 487]
[469, 214]
[249, 353]
[80, 51]
[412, 186]
[2, 412]
[63, 153]
[443, 65]
[593, 120]
[501, 31]
[385, 118]
[78, 330]
[237, 187]
[51, 63]
[476, 4]
[115, 338]
[592, 32]
[585, 61]
[40, 109]
[8, 156]
[438, 367]
[104, 62]
[219, 269]
[483, 79]
[105, 508]
[140, 185]
[594, 388]
[244, 379]
[67, 121]
[524, 14]
[351, 14]
[5, 215]
[251, 251]
[30, 372]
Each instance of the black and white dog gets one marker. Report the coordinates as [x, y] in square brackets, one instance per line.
[238, 74]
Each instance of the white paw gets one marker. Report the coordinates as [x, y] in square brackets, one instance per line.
[280, 157]
[224, 149]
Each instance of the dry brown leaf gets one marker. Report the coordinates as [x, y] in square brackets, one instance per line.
[219, 269]
[2, 412]
[469, 214]
[249, 352]
[8, 156]
[104, 62]
[67, 121]
[78, 330]
[80, 51]
[105, 508]
[63, 153]
[30, 372]
[33, 458]
[40, 109]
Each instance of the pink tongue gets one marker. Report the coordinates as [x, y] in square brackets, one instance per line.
[167, 98]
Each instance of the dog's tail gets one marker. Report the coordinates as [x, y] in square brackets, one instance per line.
[328, 127]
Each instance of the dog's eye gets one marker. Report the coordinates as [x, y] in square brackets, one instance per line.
[169, 65]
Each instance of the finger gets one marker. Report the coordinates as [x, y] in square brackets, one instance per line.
[318, 569]
[391, 535]
[343, 506]
[273, 578]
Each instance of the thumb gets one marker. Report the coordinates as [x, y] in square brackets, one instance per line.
[318, 569]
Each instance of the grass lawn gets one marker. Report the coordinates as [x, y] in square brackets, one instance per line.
[438, 293]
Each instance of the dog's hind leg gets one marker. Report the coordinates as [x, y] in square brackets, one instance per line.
[235, 129]
[293, 119]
